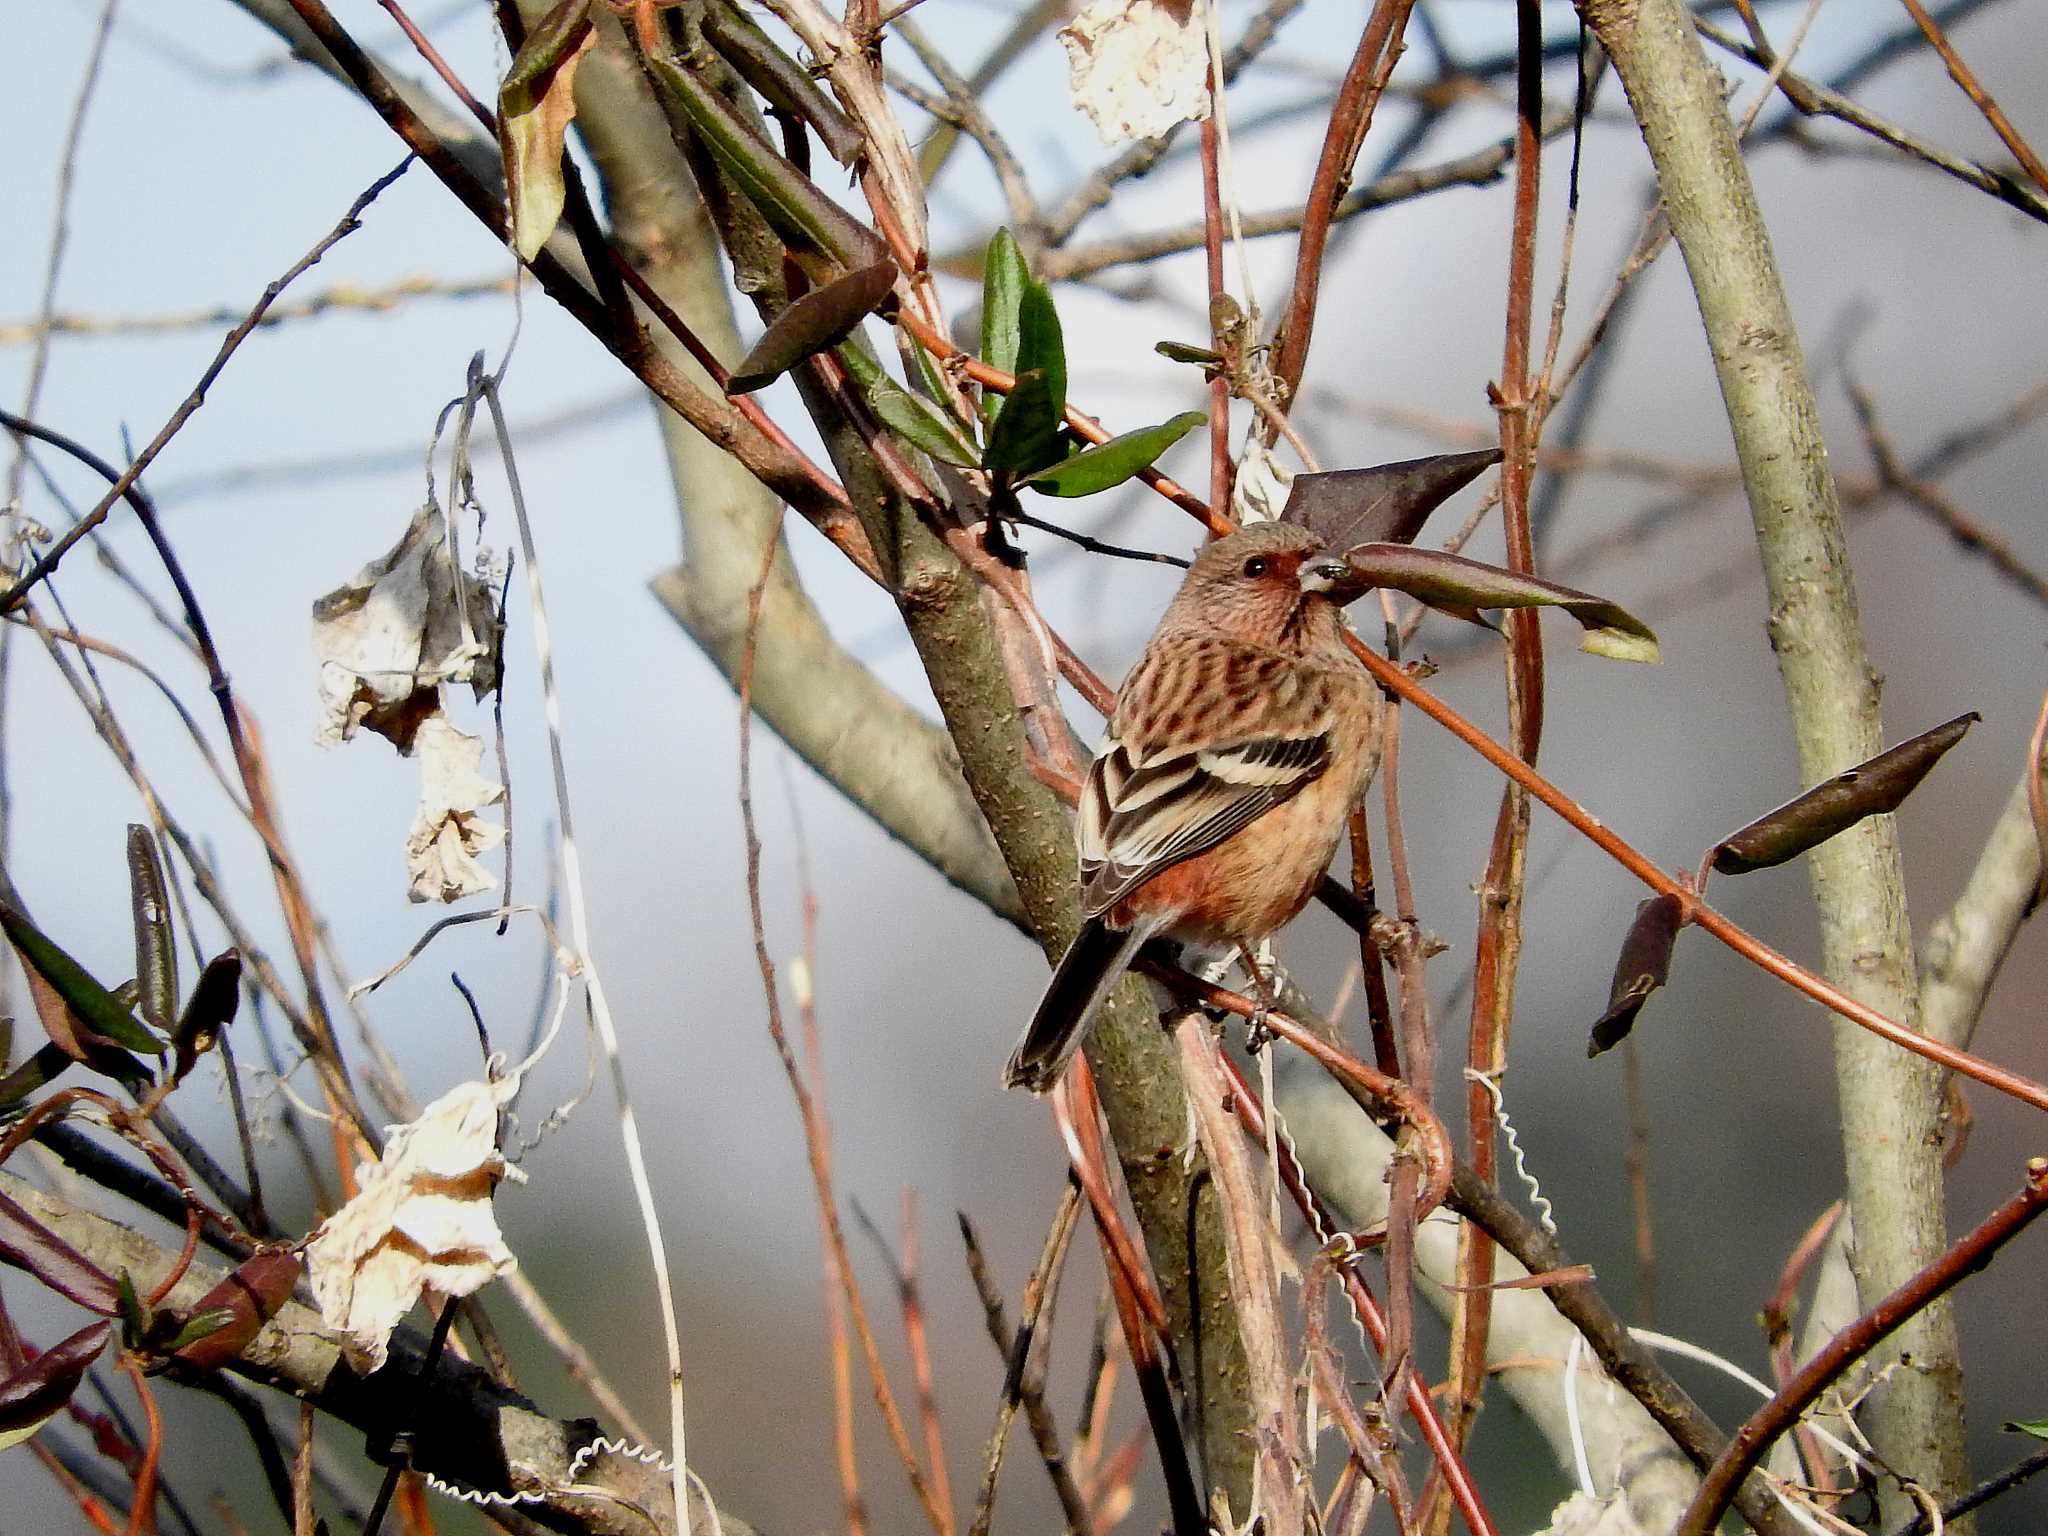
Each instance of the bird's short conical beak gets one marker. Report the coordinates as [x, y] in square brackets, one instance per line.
[1335, 578]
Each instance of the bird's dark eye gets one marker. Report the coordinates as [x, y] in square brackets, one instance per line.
[1256, 566]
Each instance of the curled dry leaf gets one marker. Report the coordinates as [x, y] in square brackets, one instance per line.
[243, 1302]
[1454, 585]
[536, 104]
[1584, 1515]
[1137, 67]
[422, 1221]
[1643, 967]
[450, 830]
[406, 624]
[1871, 788]
[32, 1396]
[1381, 503]
[27, 1244]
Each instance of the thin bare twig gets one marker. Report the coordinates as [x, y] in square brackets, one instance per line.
[1023, 1384]
[1967, 1255]
[941, 1518]
[1961, 73]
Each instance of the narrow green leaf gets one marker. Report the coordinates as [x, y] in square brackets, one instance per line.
[1208, 359]
[1040, 345]
[2038, 1428]
[1462, 587]
[156, 947]
[792, 203]
[1871, 788]
[919, 423]
[95, 1007]
[1643, 966]
[45, 1065]
[819, 320]
[536, 104]
[1004, 279]
[929, 380]
[1112, 463]
[784, 83]
[1025, 436]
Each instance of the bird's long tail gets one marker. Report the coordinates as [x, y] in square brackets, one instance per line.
[1080, 984]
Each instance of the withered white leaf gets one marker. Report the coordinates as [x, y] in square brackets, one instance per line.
[450, 830]
[422, 1220]
[1137, 67]
[407, 623]
[1581, 1515]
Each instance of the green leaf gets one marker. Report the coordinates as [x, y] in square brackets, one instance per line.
[2038, 1428]
[1026, 437]
[792, 203]
[1871, 788]
[1462, 587]
[1040, 345]
[819, 320]
[1208, 359]
[200, 1325]
[785, 84]
[94, 1006]
[156, 948]
[1112, 463]
[536, 104]
[919, 423]
[1004, 279]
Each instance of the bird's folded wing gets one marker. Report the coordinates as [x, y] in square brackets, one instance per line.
[1142, 812]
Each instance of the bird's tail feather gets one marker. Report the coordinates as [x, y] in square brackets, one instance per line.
[1080, 984]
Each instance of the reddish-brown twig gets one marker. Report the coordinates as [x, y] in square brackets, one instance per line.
[1967, 1255]
[803, 985]
[1497, 947]
[1963, 77]
[1464, 1492]
[1138, 1307]
[1386, 1095]
[919, 1347]
[142, 1518]
[1074, 1110]
[1350, 118]
[815, 1144]
[1777, 1321]
[1744, 943]
[1022, 1351]
[1212, 250]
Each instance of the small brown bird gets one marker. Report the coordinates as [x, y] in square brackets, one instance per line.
[1239, 743]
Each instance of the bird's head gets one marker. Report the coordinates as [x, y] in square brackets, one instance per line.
[1273, 584]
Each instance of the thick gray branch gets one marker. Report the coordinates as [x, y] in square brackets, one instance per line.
[1890, 1100]
[466, 1429]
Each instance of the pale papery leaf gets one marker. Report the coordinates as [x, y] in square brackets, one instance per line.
[401, 627]
[1138, 67]
[535, 107]
[422, 1220]
[450, 829]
